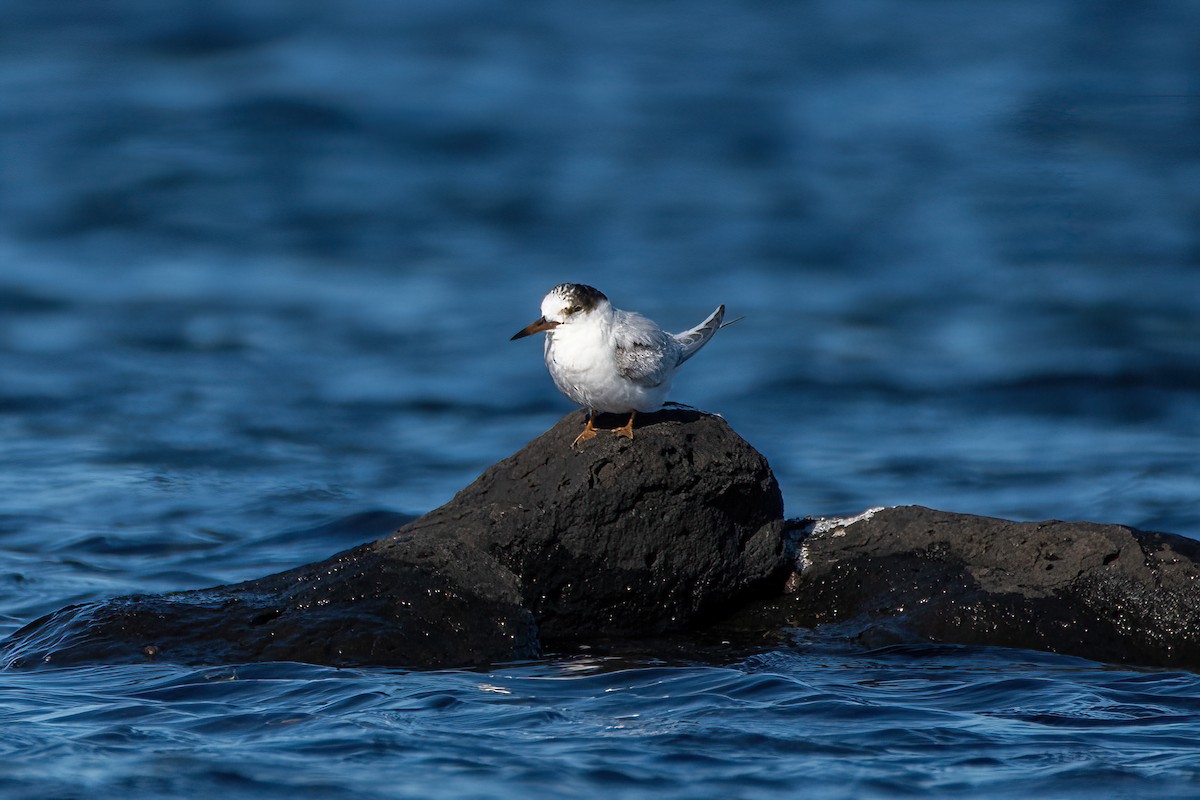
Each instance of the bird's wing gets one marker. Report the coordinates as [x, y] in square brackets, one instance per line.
[645, 353]
[691, 341]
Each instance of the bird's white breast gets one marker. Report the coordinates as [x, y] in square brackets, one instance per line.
[582, 361]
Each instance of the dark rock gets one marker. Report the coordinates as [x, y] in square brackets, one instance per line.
[629, 545]
[1105, 592]
[617, 538]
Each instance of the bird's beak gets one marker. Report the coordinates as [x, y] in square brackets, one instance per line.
[537, 326]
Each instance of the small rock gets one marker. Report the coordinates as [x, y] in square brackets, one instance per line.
[1105, 592]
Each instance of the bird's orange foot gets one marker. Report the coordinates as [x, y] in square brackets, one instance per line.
[589, 432]
[626, 430]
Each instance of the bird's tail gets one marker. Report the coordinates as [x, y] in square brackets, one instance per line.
[692, 340]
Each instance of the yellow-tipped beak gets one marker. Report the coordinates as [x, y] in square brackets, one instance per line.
[537, 326]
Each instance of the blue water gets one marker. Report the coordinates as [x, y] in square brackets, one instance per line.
[810, 722]
[259, 263]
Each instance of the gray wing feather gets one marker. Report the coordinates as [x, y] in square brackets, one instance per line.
[691, 341]
[645, 353]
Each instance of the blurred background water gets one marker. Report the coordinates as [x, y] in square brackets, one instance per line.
[259, 263]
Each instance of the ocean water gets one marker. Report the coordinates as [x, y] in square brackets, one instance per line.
[260, 261]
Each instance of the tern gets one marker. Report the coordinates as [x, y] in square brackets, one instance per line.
[609, 360]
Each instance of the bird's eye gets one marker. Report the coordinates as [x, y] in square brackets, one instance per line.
[575, 309]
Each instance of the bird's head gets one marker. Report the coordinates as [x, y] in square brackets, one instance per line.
[566, 304]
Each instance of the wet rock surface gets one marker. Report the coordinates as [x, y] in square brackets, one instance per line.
[553, 545]
[1105, 592]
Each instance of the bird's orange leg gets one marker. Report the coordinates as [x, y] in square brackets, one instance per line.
[588, 432]
[626, 430]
